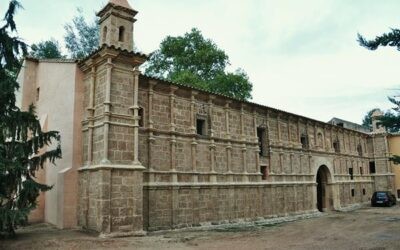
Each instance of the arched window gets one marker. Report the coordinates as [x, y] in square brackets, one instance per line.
[121, 34]
[104, 34]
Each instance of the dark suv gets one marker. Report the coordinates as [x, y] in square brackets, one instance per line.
[383, 198]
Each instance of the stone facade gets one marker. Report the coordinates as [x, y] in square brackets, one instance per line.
[158, 155]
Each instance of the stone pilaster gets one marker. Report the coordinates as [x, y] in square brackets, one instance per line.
[107, 111]
[151, 138]
[193, 111]
[194, 159]
[227, 131]
[91, 115]
[136, 117]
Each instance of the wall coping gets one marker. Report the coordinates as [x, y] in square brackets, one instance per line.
[133, 167]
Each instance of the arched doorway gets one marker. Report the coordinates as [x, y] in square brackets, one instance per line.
[324, 195]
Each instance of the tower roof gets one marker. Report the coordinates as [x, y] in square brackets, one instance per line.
[123, 3]
[118, 4]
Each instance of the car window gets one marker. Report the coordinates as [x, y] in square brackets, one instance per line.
[381, 195]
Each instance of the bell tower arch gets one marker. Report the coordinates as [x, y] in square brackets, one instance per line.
[116, 22]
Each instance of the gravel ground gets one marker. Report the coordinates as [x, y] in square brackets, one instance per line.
[366, 228]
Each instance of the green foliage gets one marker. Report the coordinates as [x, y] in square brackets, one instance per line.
[196, 61]
[49, 49]
[388, 39]
[22, 142]
[391, 118]
[81, 38]
[367, 120]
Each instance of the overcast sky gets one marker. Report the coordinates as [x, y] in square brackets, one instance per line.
[301, 56]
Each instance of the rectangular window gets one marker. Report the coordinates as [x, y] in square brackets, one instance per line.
[201, 126]
[352, 192]
[37, 93]
[304, 141]
[361, 171]
[351, 173]
[261, 140]
[264, 172]
[336, 146]
[372, 169]
[141, 117]
[398, 193]
[364, 192]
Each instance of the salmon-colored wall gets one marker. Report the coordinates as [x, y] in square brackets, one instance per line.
[71, 175]
[58, 105]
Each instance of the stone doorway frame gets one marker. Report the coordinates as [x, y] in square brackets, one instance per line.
[324, 194]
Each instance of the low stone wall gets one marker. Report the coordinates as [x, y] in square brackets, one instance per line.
[177, 206]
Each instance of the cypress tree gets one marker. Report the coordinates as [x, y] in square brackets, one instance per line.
[22, 140]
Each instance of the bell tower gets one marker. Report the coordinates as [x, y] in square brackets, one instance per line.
[116, 24]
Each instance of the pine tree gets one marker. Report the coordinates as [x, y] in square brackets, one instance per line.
[21, 137]
[391, 118]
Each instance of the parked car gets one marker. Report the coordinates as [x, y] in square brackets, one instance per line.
[383, 198]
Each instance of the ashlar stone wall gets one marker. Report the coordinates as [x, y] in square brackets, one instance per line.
[193, 179]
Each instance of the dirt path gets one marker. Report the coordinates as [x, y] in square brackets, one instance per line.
[368, 228]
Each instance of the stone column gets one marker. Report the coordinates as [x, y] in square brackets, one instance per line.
[136, 117]
[192, 111]
[107, 111]
[229, 160]
[194, 159]
[242, 132]
[289, 131]
[228, 135]
[173, 137]
[91, 110]
[291, 163]
[281, 169]
[298, 133]
[257, 151]
[344, 142]
[229, 144]
[151, 138]
[315, 136]
[308, 136]
[212, 145]
[279, 128]
[244, 156]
